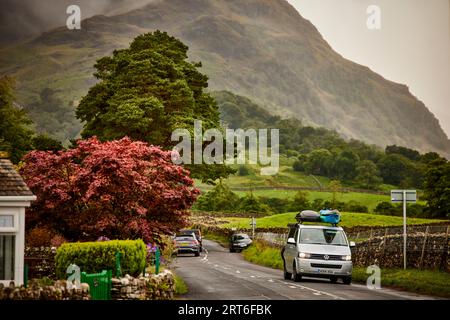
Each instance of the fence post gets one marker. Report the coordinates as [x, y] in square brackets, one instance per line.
[445, 253]
[423, 248]
[383, 252]
[157, 258]
[369, 247]
[25, 275]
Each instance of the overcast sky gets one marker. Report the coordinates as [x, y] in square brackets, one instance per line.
[412, 46]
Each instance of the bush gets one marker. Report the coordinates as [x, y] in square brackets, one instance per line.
[93, 257]
[354, 206]
[300, 202]
[220, 198]
[251, 204]
[276, 205]
[413, 210]
[39, 237]
[243, 171]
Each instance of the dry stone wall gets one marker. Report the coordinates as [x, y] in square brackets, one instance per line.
[153, 287]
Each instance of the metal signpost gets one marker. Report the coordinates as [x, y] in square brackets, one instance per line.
[404, 196]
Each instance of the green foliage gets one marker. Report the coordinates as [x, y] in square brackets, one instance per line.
[436, 189]
[93, 257]
[395, 169]
[249, 203]
[43, 142]
[300, 202]
[406, 152]
[243, 170]
[335, 187]
[146, 92]
[367, 175]
[263, 254]
[412, 210]
[220, 198]
[277, 205]
[15, 131]
[180, 286]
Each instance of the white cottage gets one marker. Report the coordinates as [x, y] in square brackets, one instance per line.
[15, 196]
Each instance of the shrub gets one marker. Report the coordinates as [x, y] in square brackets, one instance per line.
[249, 203]
[93, 257]
[243, 170]
[300, 202]
[220, 198]
[39, 237]
[277, 205]
[387, 208]
[354, 206]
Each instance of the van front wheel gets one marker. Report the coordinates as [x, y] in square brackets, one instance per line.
[347, 280]
[287, 275]
[297, 277]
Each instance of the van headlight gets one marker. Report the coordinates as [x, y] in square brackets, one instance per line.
[347, 258]
[304, 255]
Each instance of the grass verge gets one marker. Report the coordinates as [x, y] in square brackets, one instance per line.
[262, 254]
[428, 282]
[180, 286]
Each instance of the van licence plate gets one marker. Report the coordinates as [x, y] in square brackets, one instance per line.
[325, 271]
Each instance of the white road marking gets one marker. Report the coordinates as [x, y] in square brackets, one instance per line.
[293, 287]
[216, 265]
[270, 280]
[316, 292]
[237, 271]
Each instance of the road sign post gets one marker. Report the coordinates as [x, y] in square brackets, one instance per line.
[404, 196]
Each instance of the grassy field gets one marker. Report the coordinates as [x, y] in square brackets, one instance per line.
[420, 281]
[347, 220]
[285, 177]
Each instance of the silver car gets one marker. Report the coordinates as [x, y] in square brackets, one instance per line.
[317, 251]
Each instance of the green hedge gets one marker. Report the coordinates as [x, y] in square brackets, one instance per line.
[93, 257]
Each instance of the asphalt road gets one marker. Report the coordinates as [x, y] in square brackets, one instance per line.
[221, 275]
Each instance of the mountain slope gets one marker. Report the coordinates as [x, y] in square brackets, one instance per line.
[262, 49]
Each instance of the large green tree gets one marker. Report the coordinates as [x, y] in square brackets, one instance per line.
[436, 188]
[367, 175]
[146, 92]
[15, 131]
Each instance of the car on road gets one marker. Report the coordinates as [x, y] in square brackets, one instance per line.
[239, 241]
[198, 235]
[317, 251]
[187, 243]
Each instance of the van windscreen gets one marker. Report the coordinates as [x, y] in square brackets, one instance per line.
[323, 236]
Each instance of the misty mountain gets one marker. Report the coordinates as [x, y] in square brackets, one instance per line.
[25, 18]
[262, 49]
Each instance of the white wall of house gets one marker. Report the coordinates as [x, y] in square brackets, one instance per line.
[12, 238]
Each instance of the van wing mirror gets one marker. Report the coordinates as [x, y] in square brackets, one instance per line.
[291, 241]
[352, 244]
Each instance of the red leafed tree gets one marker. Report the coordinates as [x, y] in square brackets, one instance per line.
[121, 189]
